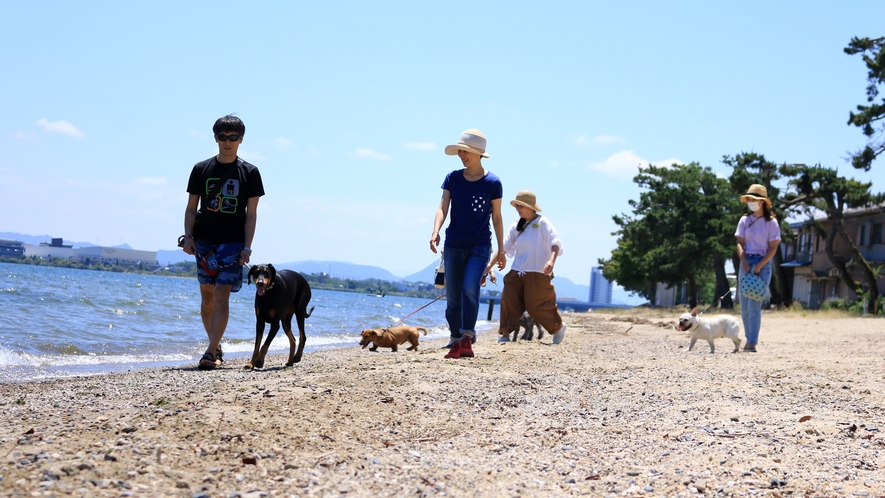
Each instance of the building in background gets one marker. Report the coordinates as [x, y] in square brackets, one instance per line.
[88, 255]
[600, 288]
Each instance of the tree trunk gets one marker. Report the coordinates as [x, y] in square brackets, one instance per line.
[652, 293]
[782, 294]
[692, 292]
[869, 275]
[844, 275]
[722, 286]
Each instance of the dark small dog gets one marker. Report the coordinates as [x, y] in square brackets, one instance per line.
[278, 296]
[529, 324]
[391, 337]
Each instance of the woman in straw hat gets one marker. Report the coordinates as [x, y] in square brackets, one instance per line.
[474, 196]
[758, 235]
[533, 244]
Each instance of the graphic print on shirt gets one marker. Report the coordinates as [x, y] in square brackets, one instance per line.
[226, 201]
[478, 204]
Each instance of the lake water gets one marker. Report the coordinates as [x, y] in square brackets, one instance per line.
[59, 322]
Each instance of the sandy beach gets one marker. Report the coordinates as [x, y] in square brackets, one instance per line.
[621, 408]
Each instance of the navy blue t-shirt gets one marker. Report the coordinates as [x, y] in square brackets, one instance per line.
[471, 208]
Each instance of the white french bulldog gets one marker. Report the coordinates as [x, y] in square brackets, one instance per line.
[714, 327]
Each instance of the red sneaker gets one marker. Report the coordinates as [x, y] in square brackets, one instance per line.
[455, 352]
[466, 347]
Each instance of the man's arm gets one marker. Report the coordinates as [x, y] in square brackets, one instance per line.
[251, 221]
[190, 217]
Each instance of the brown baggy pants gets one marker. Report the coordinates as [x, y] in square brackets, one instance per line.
[532, 292]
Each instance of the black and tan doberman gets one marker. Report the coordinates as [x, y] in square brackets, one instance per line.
[278, 297]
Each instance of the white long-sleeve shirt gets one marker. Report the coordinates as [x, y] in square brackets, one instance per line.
[531, 249]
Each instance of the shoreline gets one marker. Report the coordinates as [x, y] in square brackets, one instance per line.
[620, 408]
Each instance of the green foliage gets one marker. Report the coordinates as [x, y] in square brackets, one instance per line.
[855, 307]
[868, 116]
[679, 224]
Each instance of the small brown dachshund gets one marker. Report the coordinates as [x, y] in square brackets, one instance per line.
[278, 296]
[391, 337]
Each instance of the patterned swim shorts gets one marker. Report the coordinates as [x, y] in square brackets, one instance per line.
[219, 264]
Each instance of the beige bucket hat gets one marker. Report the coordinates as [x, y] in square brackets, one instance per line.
[756, 192]
[471, 140]
[526, 198]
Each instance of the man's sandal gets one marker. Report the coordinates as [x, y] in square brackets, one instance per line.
[207, 362]
[219, 355]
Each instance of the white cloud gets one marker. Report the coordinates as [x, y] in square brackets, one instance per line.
[250, 156]
[152, 180]
[60, 126]
[283, 143]
[420, 145]
[607, 139]
[370, 154]
[585, 141]
[20, 135]
[625, 164]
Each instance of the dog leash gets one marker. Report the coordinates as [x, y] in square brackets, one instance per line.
[412, 313]
[715, 302]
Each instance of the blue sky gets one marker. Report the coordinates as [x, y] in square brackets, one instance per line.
[348, 106]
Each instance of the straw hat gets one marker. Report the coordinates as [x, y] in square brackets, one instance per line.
[472, 140]
[756, 192]
[526, 198]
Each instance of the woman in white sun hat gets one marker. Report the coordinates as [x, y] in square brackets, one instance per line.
[533, 244]
[758, 237]
[474, 196]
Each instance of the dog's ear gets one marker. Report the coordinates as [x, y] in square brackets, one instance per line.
[694, 312]
[273, 272]
[252, 272]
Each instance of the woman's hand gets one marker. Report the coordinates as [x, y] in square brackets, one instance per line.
[757, 268]
[548, 267]
[434, 241]
[745, 266]
[502, 260]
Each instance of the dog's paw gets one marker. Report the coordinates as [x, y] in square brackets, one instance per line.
[248, 366]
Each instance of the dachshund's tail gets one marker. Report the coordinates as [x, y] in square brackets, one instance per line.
[422, 329]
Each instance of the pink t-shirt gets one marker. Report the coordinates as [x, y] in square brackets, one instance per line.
[757, 233]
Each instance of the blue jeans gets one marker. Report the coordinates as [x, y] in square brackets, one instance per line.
[464, 269]
[751, 310]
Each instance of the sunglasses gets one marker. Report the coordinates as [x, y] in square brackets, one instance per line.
[228, 138]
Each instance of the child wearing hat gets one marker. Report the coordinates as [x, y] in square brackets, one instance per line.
[474, 196]
[533, 244]
[758, 237]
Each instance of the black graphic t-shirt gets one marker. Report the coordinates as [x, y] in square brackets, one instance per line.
[222, 216]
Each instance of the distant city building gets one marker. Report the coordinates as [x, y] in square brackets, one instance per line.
[600, 288]
[12, 248]
[89, 255]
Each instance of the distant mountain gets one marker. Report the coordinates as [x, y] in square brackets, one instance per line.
[340, 269]
[567, 288]
[426, 275]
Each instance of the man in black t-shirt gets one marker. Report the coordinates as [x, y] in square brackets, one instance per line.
[220, 234]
